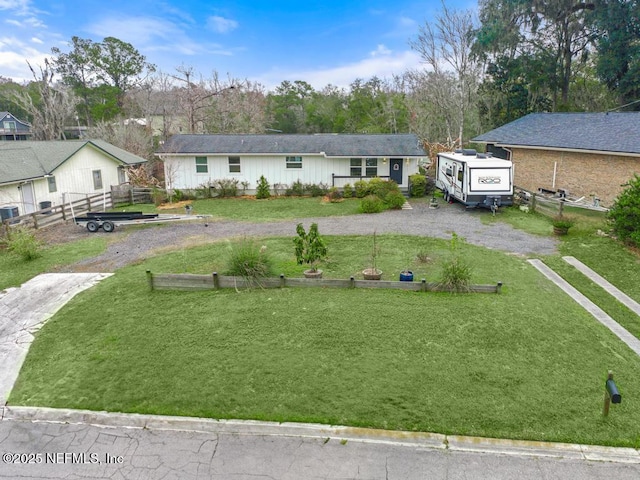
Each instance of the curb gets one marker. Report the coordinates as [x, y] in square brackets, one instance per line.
[310, 430]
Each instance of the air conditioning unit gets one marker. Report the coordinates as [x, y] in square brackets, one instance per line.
[8, 213]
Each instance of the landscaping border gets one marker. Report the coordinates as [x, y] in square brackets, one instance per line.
[189, 281]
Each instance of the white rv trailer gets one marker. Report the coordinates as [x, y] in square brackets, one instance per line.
[475, 179]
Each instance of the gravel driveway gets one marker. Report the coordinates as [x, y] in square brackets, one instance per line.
[439, 223]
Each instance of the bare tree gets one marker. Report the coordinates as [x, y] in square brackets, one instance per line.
[57, 104]
[445, 46]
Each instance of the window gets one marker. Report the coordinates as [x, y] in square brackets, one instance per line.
[294, 162]
[356, 167]
[460, 175]
[97, 179]
[202, 165]
[371, 169]
[10, 126]
[234, 164]
[52, 184]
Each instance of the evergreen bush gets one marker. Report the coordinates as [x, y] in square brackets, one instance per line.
[624, 214]
[263, 189]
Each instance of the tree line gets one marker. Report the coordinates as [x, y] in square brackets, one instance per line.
[514, 58]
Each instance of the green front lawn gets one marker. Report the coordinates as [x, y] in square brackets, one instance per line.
[15, 271]
[528, 363]
[266, 210]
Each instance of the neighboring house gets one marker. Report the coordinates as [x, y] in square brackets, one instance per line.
[33, 172]
[192, 161]
[13, 129]
[588, 155]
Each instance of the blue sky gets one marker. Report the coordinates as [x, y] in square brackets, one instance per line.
[328, 42]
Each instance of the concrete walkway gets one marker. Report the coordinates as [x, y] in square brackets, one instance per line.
[592, 308]
[622, 297]
[24, 310]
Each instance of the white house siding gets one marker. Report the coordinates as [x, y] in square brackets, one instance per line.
[74, 176]
[180, 171]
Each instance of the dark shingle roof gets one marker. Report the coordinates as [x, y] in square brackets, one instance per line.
[31, 159]
[605, 132]
[338, 145]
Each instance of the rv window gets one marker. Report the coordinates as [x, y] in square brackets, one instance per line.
[448, 172]
[461, 175]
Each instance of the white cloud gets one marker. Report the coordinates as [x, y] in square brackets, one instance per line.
[221, 24]
[381, 63]
[37, 40]
[14, 55]
[20, 6]
[381, 50]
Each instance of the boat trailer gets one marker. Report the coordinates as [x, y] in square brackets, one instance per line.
[94, 221]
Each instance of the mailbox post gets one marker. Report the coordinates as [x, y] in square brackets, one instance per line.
[611, 394]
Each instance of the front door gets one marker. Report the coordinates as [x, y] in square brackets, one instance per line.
[395, 170]
[28, 198]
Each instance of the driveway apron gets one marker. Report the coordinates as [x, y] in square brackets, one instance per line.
[24, 310]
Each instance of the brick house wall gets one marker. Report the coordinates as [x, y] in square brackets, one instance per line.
[581, 174]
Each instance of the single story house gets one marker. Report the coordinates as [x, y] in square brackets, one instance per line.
[590, 155]
[192, 161]
[32, 172]
[13, 129]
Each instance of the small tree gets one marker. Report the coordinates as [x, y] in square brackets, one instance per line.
[310, 247]
[262, 190]
[624, 215]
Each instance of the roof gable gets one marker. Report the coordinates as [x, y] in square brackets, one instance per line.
[605, 132]
[331, 145]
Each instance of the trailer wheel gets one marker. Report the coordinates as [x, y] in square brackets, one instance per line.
[108, 226]
[92, 226]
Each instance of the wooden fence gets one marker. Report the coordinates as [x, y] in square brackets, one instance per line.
[60, 213]
[128, 195]
[87, 203]
[551, 207]
[188, 281]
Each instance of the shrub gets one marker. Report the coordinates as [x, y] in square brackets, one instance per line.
[561, 221]
[158, 196]
[395, 200]
[23, 243]
[456, 275]
[371, 204]
[296, 189]
[624, 214]
[249, 261]
[383, 188]
[178, 195]
[418, 185]
[262, 191]
[334, 195]
[347, 190]
[318, 190]
[361, 188]
[310, 247]
[226, 187]
[244, 185]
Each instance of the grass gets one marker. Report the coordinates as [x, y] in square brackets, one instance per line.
[15, 271]
[267, 210]
[526, 364]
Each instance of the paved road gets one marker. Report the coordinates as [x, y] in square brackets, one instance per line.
[96, 452]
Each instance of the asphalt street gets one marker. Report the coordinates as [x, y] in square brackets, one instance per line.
[44, 450]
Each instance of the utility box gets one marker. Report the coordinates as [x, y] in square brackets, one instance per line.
[9, 213]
